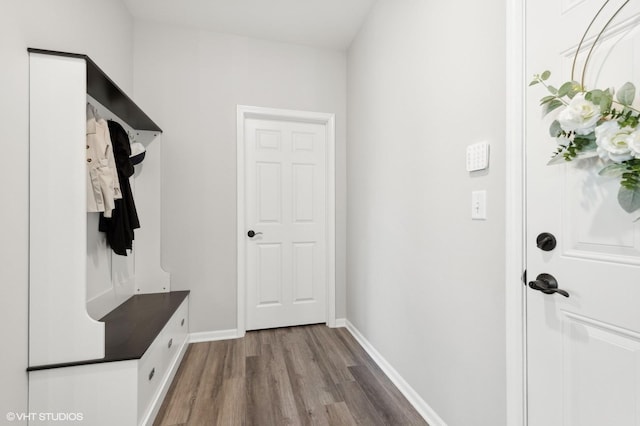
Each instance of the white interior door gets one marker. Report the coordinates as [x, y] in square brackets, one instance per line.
[285, 193]
[583, 352]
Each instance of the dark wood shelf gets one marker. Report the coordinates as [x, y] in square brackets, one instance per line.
[132, 327]
[107, 92]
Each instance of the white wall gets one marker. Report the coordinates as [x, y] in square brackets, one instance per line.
[191, 81]
[100, 28]
[425, 282]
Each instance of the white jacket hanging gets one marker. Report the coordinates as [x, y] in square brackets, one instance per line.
[103, 187]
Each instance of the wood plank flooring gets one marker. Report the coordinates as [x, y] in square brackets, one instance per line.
[308, 375]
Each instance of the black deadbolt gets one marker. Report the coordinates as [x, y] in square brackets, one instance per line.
[546, 241]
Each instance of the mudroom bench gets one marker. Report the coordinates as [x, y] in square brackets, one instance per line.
[145, 340]
[106, 333]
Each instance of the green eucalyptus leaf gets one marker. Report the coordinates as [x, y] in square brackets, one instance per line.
[601, 98]
[613, 170]
[604, 100]
[547, 99]
[533, 83]
[570, 88]
[626, 94]
[555, 129]
[552, 90]
[629, 199]
[595, 95]
[575, 89]
[550, 106]
[563, 90]
[545, 75]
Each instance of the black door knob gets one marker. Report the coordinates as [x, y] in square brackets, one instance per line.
[252, 234]
[547, 284]
[546, 241]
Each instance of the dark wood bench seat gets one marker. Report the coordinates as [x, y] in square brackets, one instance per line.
[132, 327]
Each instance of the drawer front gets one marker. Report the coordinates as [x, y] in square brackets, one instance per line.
[176, 332]
[156, 362]
[151, 370]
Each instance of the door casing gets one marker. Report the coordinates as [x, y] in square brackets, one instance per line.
[244, 112]
[515, 294]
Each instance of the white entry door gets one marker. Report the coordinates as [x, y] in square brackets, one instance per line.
[285, 193]
[583, 351]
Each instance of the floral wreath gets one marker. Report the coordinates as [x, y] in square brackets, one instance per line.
[597, 122]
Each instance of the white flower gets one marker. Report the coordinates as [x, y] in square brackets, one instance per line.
[580, 116]
[635, 144]
[615, 143]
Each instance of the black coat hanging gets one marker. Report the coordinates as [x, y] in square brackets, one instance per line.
[119, 228]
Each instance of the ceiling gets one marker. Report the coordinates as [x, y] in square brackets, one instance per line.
[321, 23]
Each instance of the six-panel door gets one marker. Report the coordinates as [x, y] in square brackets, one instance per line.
[286, 189]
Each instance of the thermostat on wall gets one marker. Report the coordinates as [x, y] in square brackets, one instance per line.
[477, 156]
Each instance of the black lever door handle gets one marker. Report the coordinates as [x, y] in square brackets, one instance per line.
[252, 233]
[547, 284]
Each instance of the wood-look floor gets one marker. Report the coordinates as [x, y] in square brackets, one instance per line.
[309, 375]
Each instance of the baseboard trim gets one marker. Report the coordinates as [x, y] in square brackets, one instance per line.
[412, 396]
[340, 322]
[213, 336]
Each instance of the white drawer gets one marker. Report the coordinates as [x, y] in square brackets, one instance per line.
[160, 357]
[151, 370]
[176, 330]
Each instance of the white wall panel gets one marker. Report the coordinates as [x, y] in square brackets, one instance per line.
[110, 277]
[303, 192]
[269, 192]
[605, 395]
[268, 140]
[303, 141]
[269, 274]
[304, 272]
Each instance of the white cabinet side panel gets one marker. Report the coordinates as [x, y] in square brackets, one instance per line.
[98, 394]
[150, 277]
[60, 330]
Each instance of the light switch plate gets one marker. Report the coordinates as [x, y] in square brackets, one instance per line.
[479, 205]
[477, 156]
